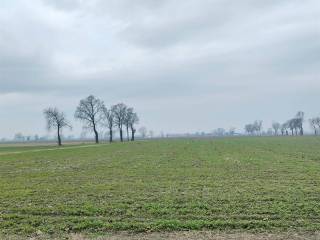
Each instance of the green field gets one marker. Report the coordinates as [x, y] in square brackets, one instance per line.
[246, 184]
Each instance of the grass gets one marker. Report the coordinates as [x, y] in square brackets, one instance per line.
[256, 184]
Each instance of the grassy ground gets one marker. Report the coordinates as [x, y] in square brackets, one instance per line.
[232, 184]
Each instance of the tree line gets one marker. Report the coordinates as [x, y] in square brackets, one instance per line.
[93, 113]
[293, 126]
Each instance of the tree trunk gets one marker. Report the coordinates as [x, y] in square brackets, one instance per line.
[121, 137]
[292, 132]
[132, 134]
[301, 131]
[59, 137]
[96, 134]
[110, 135]
[127, 133]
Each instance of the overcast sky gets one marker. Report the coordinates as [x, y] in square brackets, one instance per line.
[184, 65]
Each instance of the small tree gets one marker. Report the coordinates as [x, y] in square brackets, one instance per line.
[143, 132]
[315, 124]
[276, 126]
[90, 111]
[56, 119]
[120, 111]
[109, 122]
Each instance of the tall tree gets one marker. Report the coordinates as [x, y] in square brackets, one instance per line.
[276, 126]
[299, 122]
[109, 122]
[90, 111]
[56, 119]
[119, 110]
[127, 120]
[133, 121]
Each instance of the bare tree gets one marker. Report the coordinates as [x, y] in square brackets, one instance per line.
[284, 129]
[133, 121]
[299, 121]
[56, 119]
[90, 111]
[127, 120]
[291, 125]
[249, 128]
[119, 110]
[108, 121]
[315, 124]
[276, 126]
[258, 126]
[143, 132]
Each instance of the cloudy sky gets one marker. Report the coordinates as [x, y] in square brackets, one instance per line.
[184, 65]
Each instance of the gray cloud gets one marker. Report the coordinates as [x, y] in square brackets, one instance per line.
[162, 57]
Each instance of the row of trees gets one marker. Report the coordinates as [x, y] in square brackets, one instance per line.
[293, 126]
[93, 113]
[254, 128]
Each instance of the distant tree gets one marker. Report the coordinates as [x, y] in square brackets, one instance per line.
[276, 126]
[232, 131]
[127, 120]
[269, 132]
[291, 125]
[151, 134]
[257, 125]
[299, 122]
[249, 128]
[315, 124]
[56, 119]
[90, 111]
[120, 111]
[133, 121]
[108, 121]
[219, 132]
[19, 137]
[284, 129]
[143, 132]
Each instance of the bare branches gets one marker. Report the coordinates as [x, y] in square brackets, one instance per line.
[90, 112]
[56, 119]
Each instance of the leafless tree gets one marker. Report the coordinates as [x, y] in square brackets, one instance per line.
[284, 129]
[249, 128]
[315, 124]
[108, 121]
[133, 121]
[127, 120]
[291, 125]
[143, 132]
[90, 111]
[276, 126]
[56, 119]
[258, 126]
[119, 110]
[299, 119]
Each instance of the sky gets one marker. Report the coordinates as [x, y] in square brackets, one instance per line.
[184, 65]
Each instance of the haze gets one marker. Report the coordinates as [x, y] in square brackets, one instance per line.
[184, 66]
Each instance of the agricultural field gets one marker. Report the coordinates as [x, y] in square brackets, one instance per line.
[244, 185]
